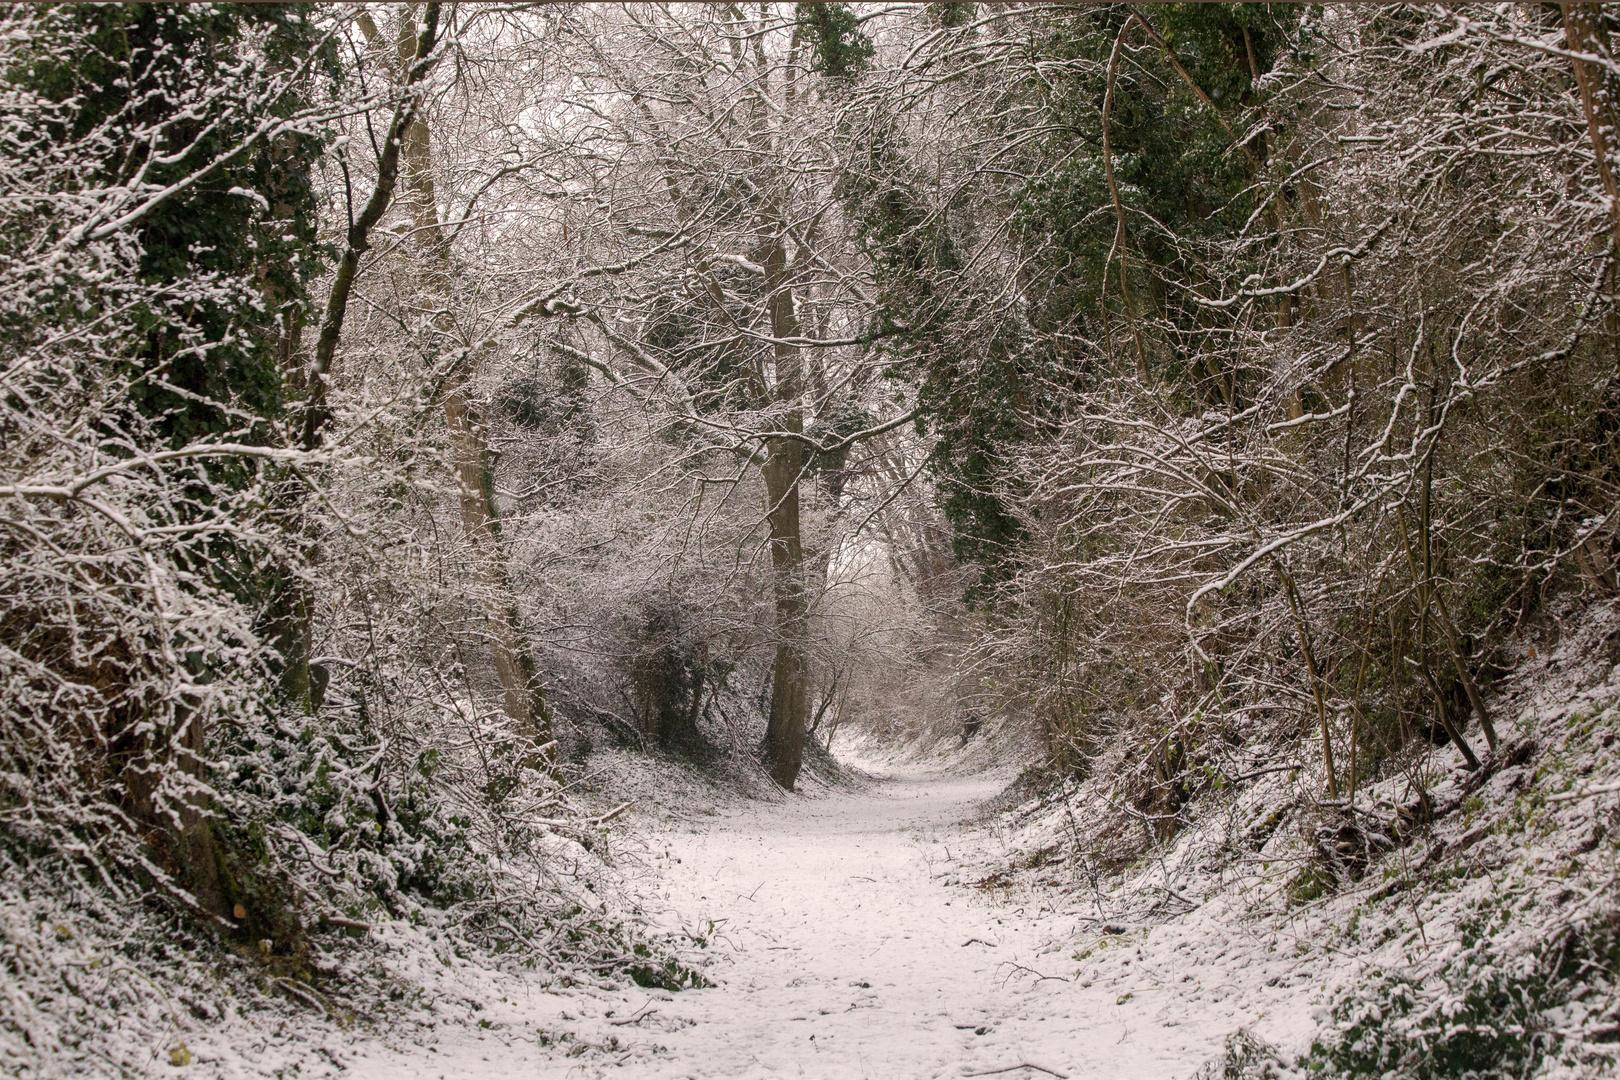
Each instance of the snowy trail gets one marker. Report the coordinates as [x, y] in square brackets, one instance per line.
[846, 951]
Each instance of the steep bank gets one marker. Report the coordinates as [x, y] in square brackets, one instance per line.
[1447, 922]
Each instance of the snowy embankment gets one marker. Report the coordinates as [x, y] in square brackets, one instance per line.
[1451, 922]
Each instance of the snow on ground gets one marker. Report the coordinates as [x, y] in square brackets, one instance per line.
[846, 945]
[895, 929]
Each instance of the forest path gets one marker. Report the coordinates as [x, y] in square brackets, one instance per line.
[845, 948]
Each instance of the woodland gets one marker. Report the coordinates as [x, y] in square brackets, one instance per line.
[443, 444]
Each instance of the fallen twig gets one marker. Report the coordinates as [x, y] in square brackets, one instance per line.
[640, 1015]
[1017, 967]
[1020, 1065]
[1571, 796]
[1261, 772]
[611, 814]
[305, 994]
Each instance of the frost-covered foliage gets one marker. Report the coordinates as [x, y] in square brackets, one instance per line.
[1448, 923]
[1306, 398]
[1484, 1013]
[133, 427]
[225, 707]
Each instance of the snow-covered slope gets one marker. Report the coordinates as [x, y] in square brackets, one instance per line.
[1447, 923]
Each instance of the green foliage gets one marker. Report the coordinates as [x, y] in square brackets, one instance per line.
[662, 973]
[1312, 883]
[845, 419]
[841, 51]
[979, 408]
[1179, 177]
[968, 390]
[244, 228]
[1487, 1014]
[550, 399]
[171, 105]
[159, 233]
[1245, 1057]
[393, 839]
[717, 373]
[990, 375]
[668, 671]
[1226, 48]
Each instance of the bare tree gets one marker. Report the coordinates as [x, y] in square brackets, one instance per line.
[454, 360]
[742, 317]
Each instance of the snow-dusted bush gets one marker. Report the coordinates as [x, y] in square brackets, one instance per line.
[1492, 1010]
[136, 461]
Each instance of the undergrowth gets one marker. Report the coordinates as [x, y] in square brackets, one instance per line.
[1488, 1012]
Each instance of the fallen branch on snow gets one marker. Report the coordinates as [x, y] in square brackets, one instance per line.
[1020, 1065]
[1571, 796]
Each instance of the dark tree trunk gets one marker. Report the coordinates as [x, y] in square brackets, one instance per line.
[784, 466]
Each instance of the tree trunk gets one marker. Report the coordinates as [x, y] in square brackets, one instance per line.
[790, 697]
[784, 465]
[474, 463]
[521, 695]
[179, 834]
[1585, 32]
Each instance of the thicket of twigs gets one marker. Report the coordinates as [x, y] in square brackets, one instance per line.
[1285, 491]
[234, 659]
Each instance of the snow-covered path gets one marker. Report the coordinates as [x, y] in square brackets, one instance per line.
[845, 950]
